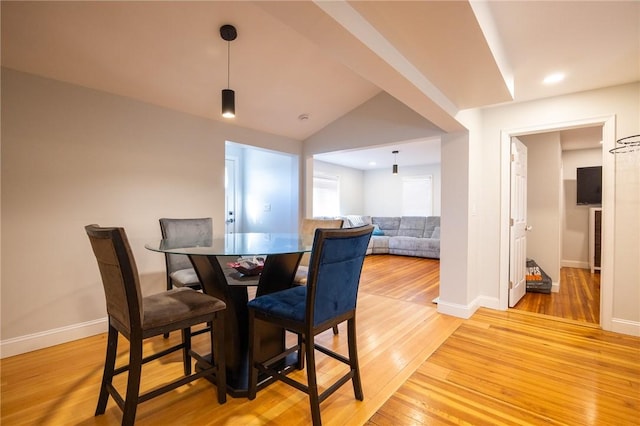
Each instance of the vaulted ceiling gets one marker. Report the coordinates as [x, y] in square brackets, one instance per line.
[324, 59]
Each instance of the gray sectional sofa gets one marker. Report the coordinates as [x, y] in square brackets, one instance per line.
[402, 235]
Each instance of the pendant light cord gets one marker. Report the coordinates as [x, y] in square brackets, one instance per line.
[228, 62]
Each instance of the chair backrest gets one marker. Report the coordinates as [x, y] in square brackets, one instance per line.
[199, 229]
[334, 272]
[307, 231]
[119, 276]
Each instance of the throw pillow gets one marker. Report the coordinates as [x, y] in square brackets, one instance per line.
[436, 232]
[377, 230]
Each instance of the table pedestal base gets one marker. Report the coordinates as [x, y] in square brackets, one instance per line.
[238, 382]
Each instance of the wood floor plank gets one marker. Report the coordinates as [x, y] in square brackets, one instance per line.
[527, 370]
[578, 297]
[398, 329]
[418, 367]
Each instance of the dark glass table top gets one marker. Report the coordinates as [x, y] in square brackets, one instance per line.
[238, 244]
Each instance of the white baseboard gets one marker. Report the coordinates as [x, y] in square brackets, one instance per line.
[555, 287]
[623, 326]
[32, 342]
[489, 302]
[574, 264]
[456, 310]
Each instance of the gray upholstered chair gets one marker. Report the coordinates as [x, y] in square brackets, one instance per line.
[307, 230]
[180, 272]
[137, 318]
[328, 299]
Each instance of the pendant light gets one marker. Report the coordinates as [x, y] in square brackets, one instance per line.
[394, 170]
[228, 33]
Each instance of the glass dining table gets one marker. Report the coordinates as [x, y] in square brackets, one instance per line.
[210, 257]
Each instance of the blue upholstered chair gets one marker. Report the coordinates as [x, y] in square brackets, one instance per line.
[307, 230]
[328, 299]
[137, 318]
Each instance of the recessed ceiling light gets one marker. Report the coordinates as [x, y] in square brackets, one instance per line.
[372, 163]
[554, 78]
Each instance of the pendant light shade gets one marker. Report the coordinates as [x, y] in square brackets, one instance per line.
[228, 33]
[394, 170]
[228, 103]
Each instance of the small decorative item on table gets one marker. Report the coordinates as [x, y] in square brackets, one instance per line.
[248, 265]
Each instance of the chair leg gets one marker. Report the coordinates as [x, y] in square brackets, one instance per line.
[253, 344]
[312, 382]
[169, 287]
[133, 382]
[335, 330]
[353, 359]
[109, 366]
[301, 352]
[216, 334]
[186, 356]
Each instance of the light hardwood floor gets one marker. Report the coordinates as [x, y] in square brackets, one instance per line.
[398, 328]
[419, 368]
[578, 298]
[518, 368]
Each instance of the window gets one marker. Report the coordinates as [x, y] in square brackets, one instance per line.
[417, 196]
[326, 196]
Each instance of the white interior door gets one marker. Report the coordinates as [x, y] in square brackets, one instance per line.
[230, 195]
[518, 228]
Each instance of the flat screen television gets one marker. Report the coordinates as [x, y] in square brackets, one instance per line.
[589, 185]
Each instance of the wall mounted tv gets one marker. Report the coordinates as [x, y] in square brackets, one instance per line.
[589, 185]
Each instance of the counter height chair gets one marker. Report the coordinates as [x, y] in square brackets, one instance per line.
[328, 298]
[307, 230]
[138, 318]
[180, 271]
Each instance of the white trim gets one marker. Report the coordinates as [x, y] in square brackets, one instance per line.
[457, 310]
[574, 264]
[608, 124]
[489, 302]
[45, 339]
[623, 326]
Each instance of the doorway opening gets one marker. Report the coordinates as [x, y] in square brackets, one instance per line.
[607, 125]
[262, 187]
[559, 225]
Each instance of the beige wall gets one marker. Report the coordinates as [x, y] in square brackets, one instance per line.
[544, 207]
[351, 186]
[73, 156]
[383, 190]
[575, 226]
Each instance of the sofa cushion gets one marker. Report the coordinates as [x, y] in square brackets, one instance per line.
[430, 225]
[412, 226]
[411, 246]
[357, 220]
[380, 244]
[388, 225]
[436, 233]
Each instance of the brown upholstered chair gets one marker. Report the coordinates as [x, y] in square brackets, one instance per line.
[307, 230]
[138, 318]
[328, 299]
[180, 271]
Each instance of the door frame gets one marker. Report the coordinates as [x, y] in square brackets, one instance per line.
[234, 178]
[608, 124]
